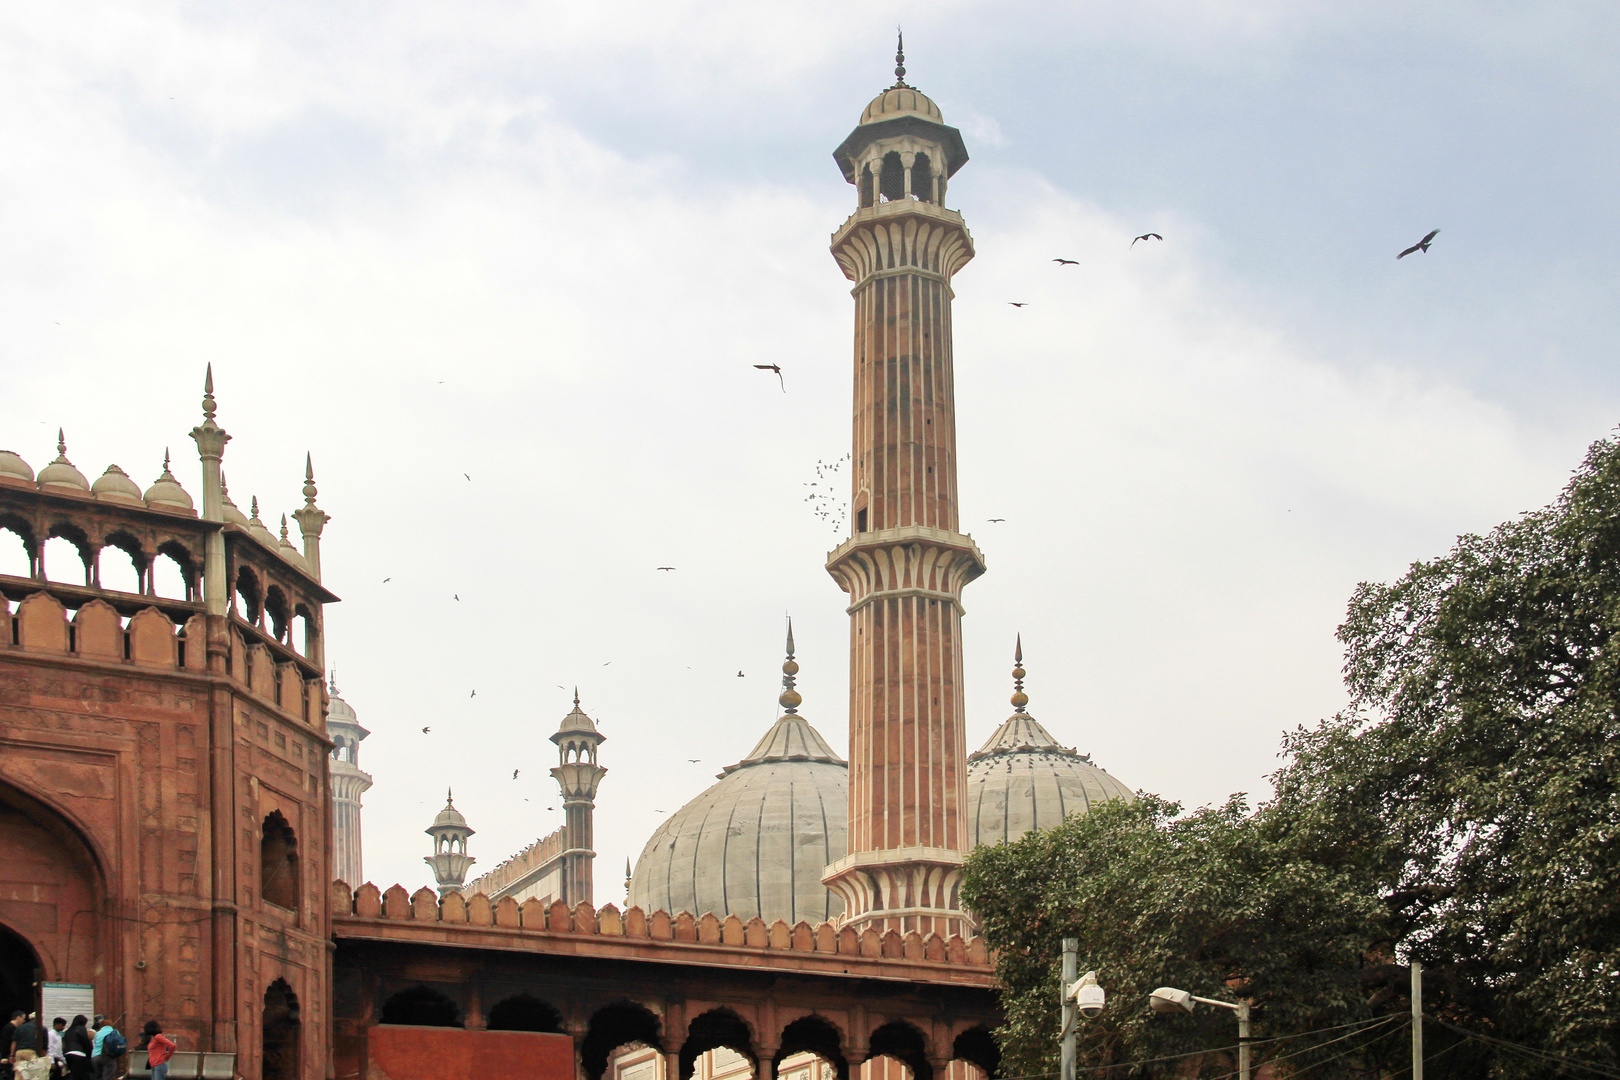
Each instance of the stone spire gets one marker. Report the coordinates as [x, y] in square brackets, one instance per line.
[907, 562]
[211, 440]
[790, 699]
[311, 519]
[449, 859]
[1020, 731]
[900, 62]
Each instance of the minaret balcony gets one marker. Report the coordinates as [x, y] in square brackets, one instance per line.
[902, 235]
[910, 560]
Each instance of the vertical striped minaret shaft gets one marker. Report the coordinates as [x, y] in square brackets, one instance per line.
[906, 563]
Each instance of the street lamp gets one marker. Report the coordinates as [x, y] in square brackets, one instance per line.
[1167, 999]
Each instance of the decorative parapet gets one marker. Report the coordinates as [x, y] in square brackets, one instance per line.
[476, 922]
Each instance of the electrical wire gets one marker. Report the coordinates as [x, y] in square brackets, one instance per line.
[1531, 1051]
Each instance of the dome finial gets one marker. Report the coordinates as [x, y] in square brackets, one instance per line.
[208, 405]
[61, 445]
[790, 699]
[1019, 698]
[576, 697]
[900, 60]
[333, 682]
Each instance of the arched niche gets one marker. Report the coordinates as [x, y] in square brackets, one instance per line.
[611, 1027]
[907, 1045]
[44, 853]
[714, 1030]
[280, 1029]
[817, 1037]
[420, 1006]
[524, 1012]
[977, 1047]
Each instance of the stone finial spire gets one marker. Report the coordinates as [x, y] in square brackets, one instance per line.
[332, 681]
[900, 61]
[311, 519]
[211, 439]
[790, 699]
[61, 447]
[1019, 698]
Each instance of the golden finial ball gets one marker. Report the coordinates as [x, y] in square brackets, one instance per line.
[790, 698]
[790, 667]
[1019, 699]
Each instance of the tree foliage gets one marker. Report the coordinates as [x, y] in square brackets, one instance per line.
[1475, 775]
[1463, 811]
[1216, 903]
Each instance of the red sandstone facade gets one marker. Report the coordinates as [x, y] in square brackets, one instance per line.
[163, 775]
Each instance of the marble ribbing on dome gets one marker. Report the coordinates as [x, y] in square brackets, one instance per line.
[1021, 779]
[755, 843]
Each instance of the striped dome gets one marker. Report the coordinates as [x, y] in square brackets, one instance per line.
[756, 842]
[1021, 779]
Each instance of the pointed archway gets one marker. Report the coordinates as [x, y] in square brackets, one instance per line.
[281, 1028]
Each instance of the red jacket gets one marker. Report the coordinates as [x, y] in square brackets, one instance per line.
[159, 1050]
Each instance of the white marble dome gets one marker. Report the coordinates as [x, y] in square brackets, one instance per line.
[1021, 779]
[756, 842]
[114, 485]
[900, 101]
[60, 474]
[167, 494]
[13, 467]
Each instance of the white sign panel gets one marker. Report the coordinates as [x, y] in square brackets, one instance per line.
[66, 1000]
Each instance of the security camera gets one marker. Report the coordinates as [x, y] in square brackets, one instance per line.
[1087, 996]
[1167, 999]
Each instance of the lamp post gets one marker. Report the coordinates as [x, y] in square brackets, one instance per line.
[1167, 999]
[1082, 995]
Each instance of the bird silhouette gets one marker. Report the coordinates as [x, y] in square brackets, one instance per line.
[469, 479]
[1067, 262]
[694, 760]
[776, 368]
[514, 774]
[995, 519]
[1422, 245]
[473, 694]
[426, 730]
[740, 675]
[1019, 303]
[386, 580]
[457, 596]
[1147, 236]
[666, 568]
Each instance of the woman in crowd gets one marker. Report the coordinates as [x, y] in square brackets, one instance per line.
[159, 1049]
[76, 1048]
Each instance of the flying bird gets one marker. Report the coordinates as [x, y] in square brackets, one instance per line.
[1019, 303]
[776, 368]
[1067, 262]
[1147, 236]
[1422, 245]
[456, 595]
[740, 675]
[666, 568]
[514, 774]
[386, 580]
[469, 479]
[995, 519]
[426, 730]
[473, 694]
[694, 760]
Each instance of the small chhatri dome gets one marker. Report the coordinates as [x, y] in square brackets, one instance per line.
[13, 467]
[1022, 779]
[114, 485]
[257, 527]
[166, 492]
[60, 474]
[901, 99]
[287, 551]
[233, 513]
[756, 842]
[576, 722]
[449, 817]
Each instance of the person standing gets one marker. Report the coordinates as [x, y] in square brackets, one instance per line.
[53, 1048]
[77, 1048]
[159, 1049]
[8, 1042]
[26, 1046]
[105, 1050]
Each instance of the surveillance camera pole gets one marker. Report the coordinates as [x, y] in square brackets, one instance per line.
[1071, 972]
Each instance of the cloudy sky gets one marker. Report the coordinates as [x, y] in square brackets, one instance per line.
[540, 245]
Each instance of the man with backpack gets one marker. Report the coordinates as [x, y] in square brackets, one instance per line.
[106, 1050]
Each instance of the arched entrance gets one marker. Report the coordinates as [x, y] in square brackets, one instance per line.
[19, 974]
[281, 1028]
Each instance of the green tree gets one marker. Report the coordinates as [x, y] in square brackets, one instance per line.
[1217, 902]
[1476, 775]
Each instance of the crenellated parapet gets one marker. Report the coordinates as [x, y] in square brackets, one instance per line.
[477, 921]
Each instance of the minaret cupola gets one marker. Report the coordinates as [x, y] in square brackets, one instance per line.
[449, 859]
[902, 147]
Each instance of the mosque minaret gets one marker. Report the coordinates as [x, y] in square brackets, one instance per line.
[906, 562]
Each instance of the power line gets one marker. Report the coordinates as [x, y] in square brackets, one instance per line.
[1531, 1051]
